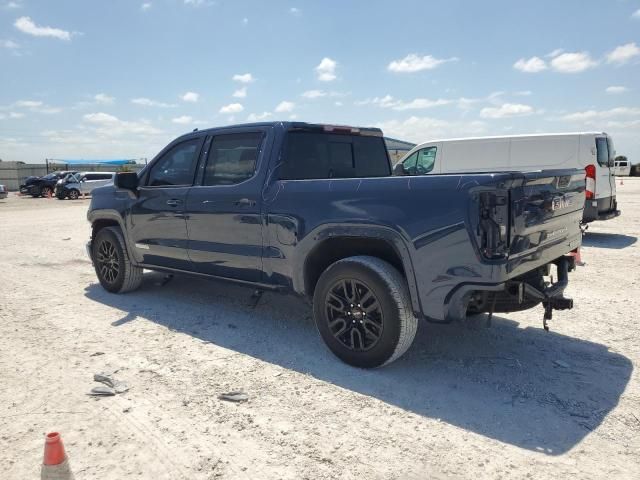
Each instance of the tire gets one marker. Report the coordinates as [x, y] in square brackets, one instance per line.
[73, 194]
[45, 191]
[111, 261]
[391, 323]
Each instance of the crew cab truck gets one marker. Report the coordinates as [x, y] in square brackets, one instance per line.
[315, 210]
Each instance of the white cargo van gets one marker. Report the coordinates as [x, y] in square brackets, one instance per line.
[591, 151]
[621, 167]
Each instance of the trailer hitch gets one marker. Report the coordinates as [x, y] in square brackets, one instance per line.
[552, 297]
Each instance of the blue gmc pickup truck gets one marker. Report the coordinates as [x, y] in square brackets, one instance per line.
[315, 210]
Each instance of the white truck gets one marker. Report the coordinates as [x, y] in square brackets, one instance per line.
[591, 151]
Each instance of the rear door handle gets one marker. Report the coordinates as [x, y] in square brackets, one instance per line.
[174, 202]
[245, 202]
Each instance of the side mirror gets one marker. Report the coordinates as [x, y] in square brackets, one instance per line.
[399, 170]
[127, 181]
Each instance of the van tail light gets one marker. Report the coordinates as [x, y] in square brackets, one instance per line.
[591, 181]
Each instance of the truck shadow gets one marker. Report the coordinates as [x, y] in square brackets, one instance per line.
[538, 390]
[608, 240]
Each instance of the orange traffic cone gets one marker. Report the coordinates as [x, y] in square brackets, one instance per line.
[55, 465]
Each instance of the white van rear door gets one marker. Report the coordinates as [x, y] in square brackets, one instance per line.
[605, 183]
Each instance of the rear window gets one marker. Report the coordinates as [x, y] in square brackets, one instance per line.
[602, 150]
[320, 155]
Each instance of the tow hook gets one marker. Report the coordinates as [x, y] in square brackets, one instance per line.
[552, 296]
[555, 303]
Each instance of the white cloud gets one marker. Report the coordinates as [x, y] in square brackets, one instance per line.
[111, 126]
[243, 78]
[284, 107]
[13, 5]
[415, 63]
[623, 54]
[614, 89]
[338, 104]
[9, 44]
[523, 93]
[26, 25]
[16, 115]
[530, 65]
[389, 101]
[421, 104]
[103, 99]
[36, 106]
[147, 102]
[589, 115]
[183, 120]
[199, 3]
[314, 94]
[574, 62]
[555, 53]
[28, 103]
[257, 117]
[294, 11]
[232, 108]
[191, 97]
[421, 129]
[326, 70]
[146, 6]
[245, 21]
[636, 14]
[240, 93]
[507, 110]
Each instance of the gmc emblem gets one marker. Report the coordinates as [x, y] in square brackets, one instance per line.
[560, 203]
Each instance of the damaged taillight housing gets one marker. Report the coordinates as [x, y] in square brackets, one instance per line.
[493, 227]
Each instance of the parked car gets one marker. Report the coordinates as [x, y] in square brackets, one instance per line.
[592, 152]
[314, 210]
[621, 166]
[4, 193]
[42, 186]
[83, 183]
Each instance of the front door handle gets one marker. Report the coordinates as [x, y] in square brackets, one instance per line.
[245, 202]
[174, 202]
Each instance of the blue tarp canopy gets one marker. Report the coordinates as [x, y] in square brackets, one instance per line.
[94, 162]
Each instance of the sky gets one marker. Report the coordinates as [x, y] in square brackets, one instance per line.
[98, 79]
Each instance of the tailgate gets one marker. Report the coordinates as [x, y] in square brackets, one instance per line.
[546, 210]
[532, 218]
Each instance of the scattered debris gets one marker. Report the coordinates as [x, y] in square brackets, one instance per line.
[111, 383]
[67, 238]
[96, 354]
[234, 397]
[102, 391]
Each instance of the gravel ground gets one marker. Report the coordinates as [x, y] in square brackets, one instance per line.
[510, 401]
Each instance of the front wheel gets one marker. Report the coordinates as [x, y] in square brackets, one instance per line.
[111, 260]
[46, 191]
[74, 194]
[363, 312]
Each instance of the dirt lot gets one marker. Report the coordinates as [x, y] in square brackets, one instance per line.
[510, 401]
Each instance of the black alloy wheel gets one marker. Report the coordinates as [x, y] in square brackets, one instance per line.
[108, 261]
[354, 315]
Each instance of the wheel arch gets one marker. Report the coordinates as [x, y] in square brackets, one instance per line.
[384, 245]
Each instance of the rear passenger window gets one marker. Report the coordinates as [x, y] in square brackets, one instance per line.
[232, 158]
[318, 155]
[602, 152]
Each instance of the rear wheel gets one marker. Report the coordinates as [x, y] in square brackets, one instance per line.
[111, 260]
[363, 311]
[74, 194]
[46, 191]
